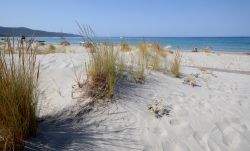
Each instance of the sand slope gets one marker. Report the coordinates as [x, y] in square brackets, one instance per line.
[214, 116]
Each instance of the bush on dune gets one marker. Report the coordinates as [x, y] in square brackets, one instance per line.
[18, 98]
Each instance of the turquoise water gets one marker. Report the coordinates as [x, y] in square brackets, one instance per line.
[231, 44]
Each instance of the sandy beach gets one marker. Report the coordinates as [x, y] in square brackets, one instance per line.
[124, 75]
[213, 116]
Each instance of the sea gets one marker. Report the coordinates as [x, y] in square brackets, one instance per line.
[229, 44]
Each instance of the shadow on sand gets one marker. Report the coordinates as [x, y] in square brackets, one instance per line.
[76, 129]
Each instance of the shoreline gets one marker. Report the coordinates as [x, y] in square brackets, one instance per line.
[246, 52]
[185, 43]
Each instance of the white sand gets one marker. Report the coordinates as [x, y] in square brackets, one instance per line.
[212, 117]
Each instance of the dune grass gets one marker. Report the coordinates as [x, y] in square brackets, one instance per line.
[159, 50]
[65, 43]
[102, 72]
[152, 54]
[125, 47]
[140, 70]
[89, 45]
[176, 64]
[19, 72]
[207, 50]
[154, 61]
[51, 48]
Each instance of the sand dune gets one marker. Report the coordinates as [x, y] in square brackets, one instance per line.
[213, 116]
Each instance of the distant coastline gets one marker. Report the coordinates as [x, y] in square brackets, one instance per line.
[23, 31]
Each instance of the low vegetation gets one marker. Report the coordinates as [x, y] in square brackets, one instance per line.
[107, 65]
[102, 72]
[65, 43]
[140, 70]
[176, 64]
[125, 47]
[51, 48]
[159, 50]
[207, 49]
[154, 61]
[19, 72]
[152, 54]
[90, 45]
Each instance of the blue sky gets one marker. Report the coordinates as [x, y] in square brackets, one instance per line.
[132, 17]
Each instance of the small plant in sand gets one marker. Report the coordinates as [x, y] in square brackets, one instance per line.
[152, 55]
[140, 70]
[154, 61]
[19, 72]
[144, 52]
[51, 48]
[65, 43]
[176, 64]
[102, 72]
[159, 50]
[207, 49]
[102, 69]
[125, 47]
[90, 45]
[121, 65]
[143, 48]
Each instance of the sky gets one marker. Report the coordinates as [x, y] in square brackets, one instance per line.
[159, 18]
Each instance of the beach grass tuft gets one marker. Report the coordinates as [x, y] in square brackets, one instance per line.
[89, 45]
[125, 47]
[102, 72]
[65, 43]
[140, 70]
[159, 50]
[154, 61]
[19, 72]
[176, 64]
[51, 48]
